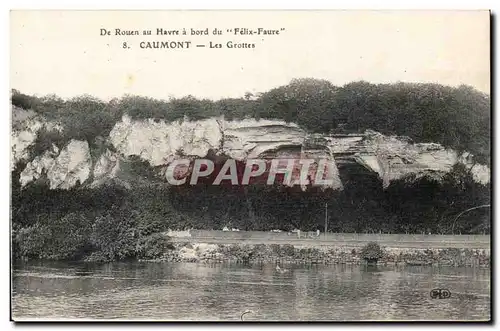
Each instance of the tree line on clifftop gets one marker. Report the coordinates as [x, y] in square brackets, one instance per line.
[456, 117]
[114, 223]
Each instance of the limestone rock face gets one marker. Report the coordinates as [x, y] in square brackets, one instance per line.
[38, 166]
[106, 167]
[63, 170]
[26, 125]
[159, 143]
[71, 166]
[394, 157]
[249, 139]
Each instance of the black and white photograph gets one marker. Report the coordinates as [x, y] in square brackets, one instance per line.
[250, 165]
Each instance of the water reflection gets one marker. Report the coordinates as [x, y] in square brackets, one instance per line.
[190, 291]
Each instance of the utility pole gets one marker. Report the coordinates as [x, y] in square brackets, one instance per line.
[326, 218]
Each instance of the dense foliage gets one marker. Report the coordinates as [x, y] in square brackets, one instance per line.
[113, 223]
[372, 252]
[104, 224]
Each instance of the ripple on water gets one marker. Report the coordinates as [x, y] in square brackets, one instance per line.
[177, 291]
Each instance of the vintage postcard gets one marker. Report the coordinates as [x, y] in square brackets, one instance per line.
[250, 165]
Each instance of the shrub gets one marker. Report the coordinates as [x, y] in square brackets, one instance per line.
[29, 242]
[23, 101]
[371, 252]
[63, 238]
[152, 246]
[261, 250]
[114, 237]
[234, 249]
[44, 140]
[287, 250]
[275, 248]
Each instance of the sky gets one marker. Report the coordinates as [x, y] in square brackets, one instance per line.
[63, 53]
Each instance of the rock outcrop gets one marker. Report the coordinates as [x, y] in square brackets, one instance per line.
[64, 170]
[159, 143]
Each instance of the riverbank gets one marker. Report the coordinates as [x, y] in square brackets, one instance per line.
[106, 243]
[333, 248]
[322, 254]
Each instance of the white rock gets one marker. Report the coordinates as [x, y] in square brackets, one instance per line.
[63, 170]
[159, 143]
[71, 166]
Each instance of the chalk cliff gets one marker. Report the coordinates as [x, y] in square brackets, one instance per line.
[159, 143]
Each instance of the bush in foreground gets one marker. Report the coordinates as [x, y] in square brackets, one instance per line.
[62, 238]
[110, 237]
[152, 246]
[372, 252]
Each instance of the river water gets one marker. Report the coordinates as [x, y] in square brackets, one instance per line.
[195, 291]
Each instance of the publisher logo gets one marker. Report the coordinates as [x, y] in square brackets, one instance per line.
[318, 172]
[440, 293]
